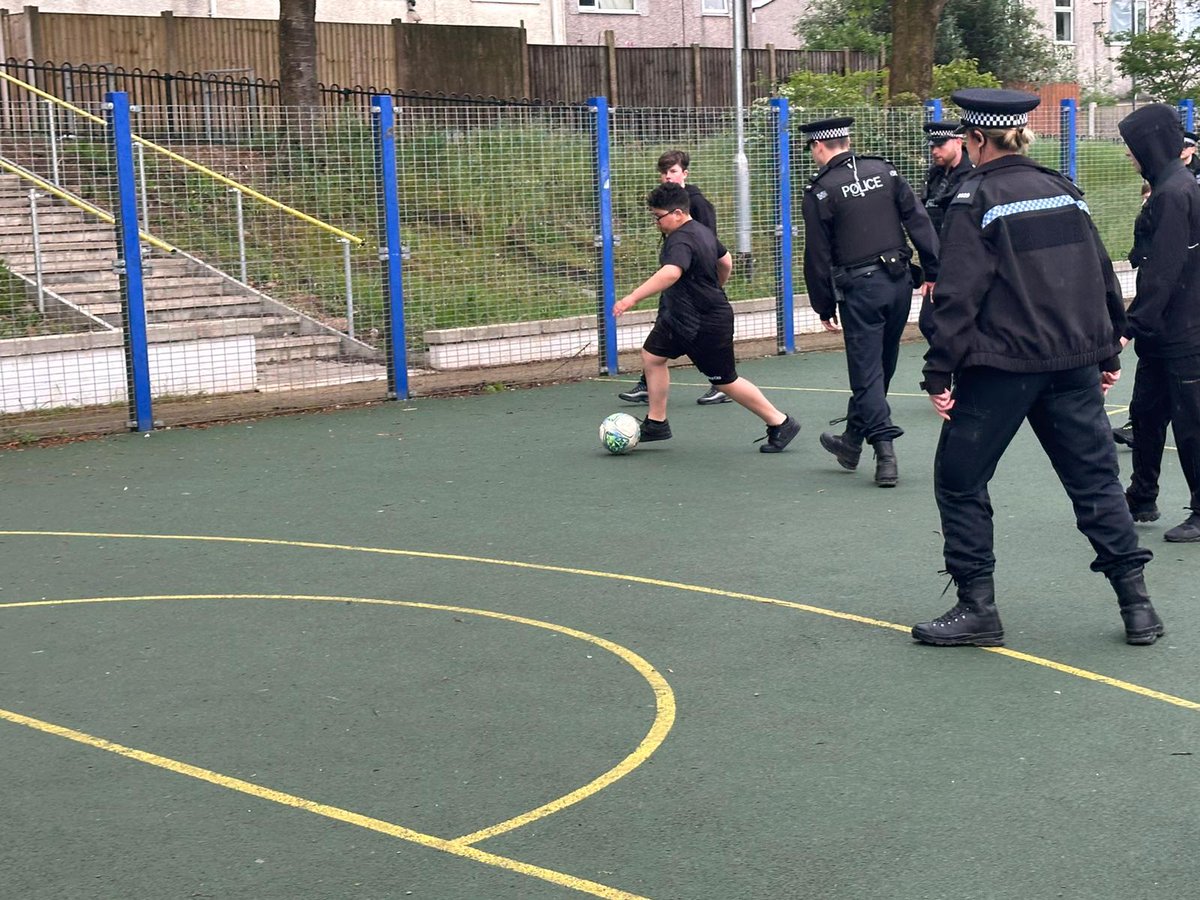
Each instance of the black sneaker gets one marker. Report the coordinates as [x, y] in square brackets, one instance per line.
[1142, 510]
[637, 394]
[654, 431]
[713, 396]
[1187, 532]
[779, 436]
[1124, 435]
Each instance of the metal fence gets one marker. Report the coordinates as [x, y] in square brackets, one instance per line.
[282, 269]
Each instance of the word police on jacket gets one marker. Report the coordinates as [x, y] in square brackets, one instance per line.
[859, 188]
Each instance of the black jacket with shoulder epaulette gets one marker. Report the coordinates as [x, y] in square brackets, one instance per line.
[857, 208]
[1025, 283]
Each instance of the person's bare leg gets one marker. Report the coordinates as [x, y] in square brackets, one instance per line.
[748, 395]
[658, 383]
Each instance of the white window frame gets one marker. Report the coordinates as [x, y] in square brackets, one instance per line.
[715, 8]
[1064, 21]
[592, 8]
[1139, 19]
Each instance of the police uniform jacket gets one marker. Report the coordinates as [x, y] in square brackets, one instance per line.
[1026, 285]
[940, 188]
[1164, 316]
[1193, 166]
[857, 208]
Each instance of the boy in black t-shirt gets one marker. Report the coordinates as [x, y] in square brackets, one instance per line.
[694, 319]
[673, 168]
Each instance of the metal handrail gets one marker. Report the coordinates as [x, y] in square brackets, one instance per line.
[80, 203]
[192, 164]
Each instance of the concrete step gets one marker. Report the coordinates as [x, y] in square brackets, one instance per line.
[22, 256]
[48, 228]
[210, 328]
[190, 309]
[14, 218]
[297, 346]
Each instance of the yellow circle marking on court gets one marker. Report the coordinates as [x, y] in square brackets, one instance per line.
[634, 579]
[664, 718]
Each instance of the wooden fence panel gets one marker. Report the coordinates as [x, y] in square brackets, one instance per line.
[350, 54]
[444, 59]
[567, 74]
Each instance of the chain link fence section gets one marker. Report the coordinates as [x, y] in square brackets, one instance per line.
[276, 285]
[62, 362]
[708, 136]
[499, 220]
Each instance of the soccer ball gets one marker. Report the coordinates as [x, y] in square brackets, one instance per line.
[619, 433]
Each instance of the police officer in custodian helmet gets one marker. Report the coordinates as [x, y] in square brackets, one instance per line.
[857, 210]
[1024, 324]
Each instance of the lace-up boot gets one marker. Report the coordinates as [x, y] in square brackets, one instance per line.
[886, 472]
[972, 620]
[1142, 624]
[846, 447]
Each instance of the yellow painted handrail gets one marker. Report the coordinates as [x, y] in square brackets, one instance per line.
[80, 203]
[192, 164]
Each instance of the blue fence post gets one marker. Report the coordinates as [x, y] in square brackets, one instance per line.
[129, 264]
[933, 110]
[384, 114]
[1187, 114]
[785, 332]
[1069, 143]
[606, 323]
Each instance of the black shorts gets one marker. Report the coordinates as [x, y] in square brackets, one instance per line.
[711, 353]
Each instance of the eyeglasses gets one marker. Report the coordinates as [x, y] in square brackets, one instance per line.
[659, 217]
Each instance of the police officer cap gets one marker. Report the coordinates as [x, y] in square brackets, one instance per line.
[1189, 139]
[938, 132]
[994, 108]
[828, 129]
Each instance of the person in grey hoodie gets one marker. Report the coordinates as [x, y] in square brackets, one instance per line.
[1164, 318]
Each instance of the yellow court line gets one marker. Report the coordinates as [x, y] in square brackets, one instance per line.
[322, 809]
[635, 579]
[664, 697]
[663, 720]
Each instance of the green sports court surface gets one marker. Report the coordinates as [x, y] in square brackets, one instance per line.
[449, 648]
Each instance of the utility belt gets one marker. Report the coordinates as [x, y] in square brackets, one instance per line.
[894, 262]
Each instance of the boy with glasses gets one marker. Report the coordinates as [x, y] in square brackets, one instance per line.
[673, 169]
[695, 319]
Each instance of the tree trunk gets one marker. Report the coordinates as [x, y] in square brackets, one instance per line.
[298, 54]
[914, 30]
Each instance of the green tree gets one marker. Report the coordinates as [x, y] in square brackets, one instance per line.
[1002, 35]
[1161, 62]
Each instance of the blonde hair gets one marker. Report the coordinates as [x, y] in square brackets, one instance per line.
[1012, 140]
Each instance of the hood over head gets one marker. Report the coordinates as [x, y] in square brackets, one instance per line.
[1154, 136]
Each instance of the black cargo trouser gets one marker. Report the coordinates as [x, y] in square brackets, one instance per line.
[1066, 412]
[1165, 391]
[873, 312]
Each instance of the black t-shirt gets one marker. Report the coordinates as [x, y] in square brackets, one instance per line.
[702, 210]
[696, 301]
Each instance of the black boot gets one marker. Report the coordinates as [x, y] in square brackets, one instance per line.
[1142, 624]
[846, 447]
[972, 620]
[886, 473]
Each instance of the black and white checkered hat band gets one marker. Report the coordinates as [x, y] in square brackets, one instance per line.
[994, 120]
[829, 134]
[939, 133]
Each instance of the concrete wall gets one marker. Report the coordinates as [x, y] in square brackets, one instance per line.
[679, 23]
[45, 372]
